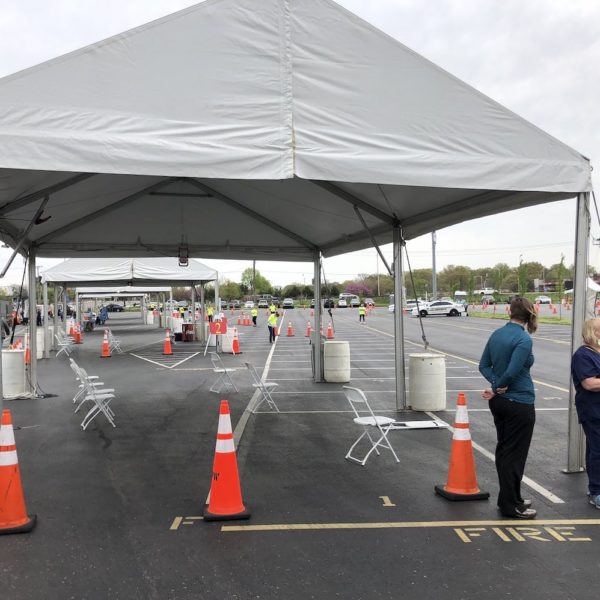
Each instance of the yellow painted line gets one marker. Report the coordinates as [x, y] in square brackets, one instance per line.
[467, 360]
[404, 525]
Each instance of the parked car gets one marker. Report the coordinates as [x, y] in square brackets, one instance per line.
[249, 304]
[276, 301]
[369, 302]
[288, 303]
[263, 303]
[235, 304]
[487, 299]
[114, 307]
[543, 300]
[438, 307]
[354, 302]
[342, 303]
[329, 303]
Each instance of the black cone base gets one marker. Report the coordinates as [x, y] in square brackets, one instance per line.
[208, 516]
[26, 528]
[439, 489]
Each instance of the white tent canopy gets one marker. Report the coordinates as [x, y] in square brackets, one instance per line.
[261, 129]
[258, 128]
[144, 272]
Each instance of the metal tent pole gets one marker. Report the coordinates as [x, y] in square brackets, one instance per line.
[575, 439]
[398, 322]
[55, 315]
[45, 323]
[32, 321]
[316, 333]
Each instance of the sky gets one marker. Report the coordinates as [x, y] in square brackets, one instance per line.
[538, 58]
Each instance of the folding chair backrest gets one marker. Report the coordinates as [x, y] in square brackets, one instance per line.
[357, 400]
[216, 361]
[253, 373]
[75, 368]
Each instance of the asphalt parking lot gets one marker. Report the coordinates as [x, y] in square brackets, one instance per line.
[119, 508]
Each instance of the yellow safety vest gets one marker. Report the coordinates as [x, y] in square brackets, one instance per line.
[273, 308]
[254, 312]
[272, 320]
[210, 311]
[362, 310]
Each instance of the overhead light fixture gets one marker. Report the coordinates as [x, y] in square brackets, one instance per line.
[184, 253]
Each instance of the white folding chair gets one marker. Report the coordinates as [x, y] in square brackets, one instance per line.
[264, 387]
[64, 344]
[224, 379]
[114, 343]
[358, 401]
[99, 397]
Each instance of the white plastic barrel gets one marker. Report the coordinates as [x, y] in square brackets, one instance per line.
[150, 318]
[427, 381]
[226, 342]
[13, 373]
[336, 362]
[177, 325]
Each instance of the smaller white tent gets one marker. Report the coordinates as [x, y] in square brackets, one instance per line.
[142, 272]
[592, 290]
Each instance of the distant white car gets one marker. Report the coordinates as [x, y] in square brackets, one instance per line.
[249, 304]
[439, 307]
[342, 303]
[543, 300]
[288, 303]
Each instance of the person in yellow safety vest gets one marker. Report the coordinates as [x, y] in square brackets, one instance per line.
[181, 311]
[273, 309]
[254, 313]
[210, 311]
[272, 324]
[362, 311]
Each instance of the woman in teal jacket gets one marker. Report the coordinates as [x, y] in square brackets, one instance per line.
[505, 363]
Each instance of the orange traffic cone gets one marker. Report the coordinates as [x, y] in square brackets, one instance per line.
[290, 332]
[72, 328]
[462, 478]
[308, 330]
[235, 346]
[105, 346]
[276, 329]
[240, 319]
[329, 331]
[77, 335]
[167, 350]
[225, 492]
[13, 514]
[27, 350]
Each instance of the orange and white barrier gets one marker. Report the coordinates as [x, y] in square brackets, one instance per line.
[13, 514]
[225, 491]
[462, 478]
[235, 345]
[105, 346]
[308, 330]
[329, 331]
[167, 350]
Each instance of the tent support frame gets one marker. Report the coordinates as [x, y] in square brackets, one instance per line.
[401, 403]
[575, 437]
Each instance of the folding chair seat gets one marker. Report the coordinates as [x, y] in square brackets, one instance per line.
[358, 401]
[83, 380]
[264, 387]
[224, 380]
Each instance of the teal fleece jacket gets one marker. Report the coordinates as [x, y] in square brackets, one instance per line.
[506, 360]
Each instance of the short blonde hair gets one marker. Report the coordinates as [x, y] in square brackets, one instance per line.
[588, 333]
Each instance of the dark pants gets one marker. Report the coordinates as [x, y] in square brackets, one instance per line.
[592, 454]
[271, 333]
[361, 318]
[514, 427]
[210, 317]
[254, 320]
